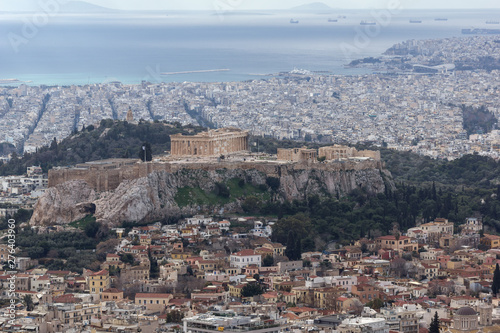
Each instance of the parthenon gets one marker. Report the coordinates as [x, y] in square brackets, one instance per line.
[212, 143]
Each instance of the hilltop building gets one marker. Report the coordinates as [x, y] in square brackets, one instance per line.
[297, 154]
[217, 142]
[331, 153]
[337, 152]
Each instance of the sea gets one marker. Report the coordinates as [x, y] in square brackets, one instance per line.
[212, 46]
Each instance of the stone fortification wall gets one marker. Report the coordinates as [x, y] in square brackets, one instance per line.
[150, 192]
[107, 178]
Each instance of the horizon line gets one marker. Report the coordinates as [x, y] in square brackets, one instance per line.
[247, 10]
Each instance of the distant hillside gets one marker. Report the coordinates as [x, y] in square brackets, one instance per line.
[66, 7]
[83, 7]
[113, 139]
[315, 6]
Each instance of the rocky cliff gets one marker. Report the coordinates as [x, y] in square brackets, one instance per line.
[63, 204]
[188, 191]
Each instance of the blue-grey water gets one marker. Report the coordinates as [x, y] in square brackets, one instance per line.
[78, 49]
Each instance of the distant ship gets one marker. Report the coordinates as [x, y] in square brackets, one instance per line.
[294, 21]
[481, 31]
[492, 22]
[333, 20]
[368, 23]
[440, 19]
[7, 81]
[415, 21]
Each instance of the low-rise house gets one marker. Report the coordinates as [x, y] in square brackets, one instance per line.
[490, 241]
[244, 258]
[98, 282]
[153, 301]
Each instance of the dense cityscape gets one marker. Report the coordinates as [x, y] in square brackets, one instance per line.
[299, 201]
[403, 110]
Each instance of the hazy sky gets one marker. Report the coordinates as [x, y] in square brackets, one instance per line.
[259, 4]
[278, 4]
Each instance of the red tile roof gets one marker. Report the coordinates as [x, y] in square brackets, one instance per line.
[246, 252]
[152, 295]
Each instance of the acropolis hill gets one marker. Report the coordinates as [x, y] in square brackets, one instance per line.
[203, 151]
[132, 190]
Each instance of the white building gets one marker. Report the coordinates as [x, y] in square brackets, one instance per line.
[259, 230]
[244, 258]
[198, 220]
[473, 225]
[363, 324]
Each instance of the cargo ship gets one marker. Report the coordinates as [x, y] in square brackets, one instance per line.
[368, 23]
[492, 22]
[415, 21]
[333, 20]
[481, 31]
[440, 19]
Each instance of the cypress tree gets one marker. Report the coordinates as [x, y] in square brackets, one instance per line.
[434, 327]
[495, 286]
[297, 253]
[290, 245]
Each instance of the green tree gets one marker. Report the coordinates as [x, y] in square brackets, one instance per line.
[290, 245]
[146, 153]
[300, 223]
[154, 270]
[273, 183]
[495, 286]
[221, 190]
[127, 258]
[375, 304]
[91, 229]
[53, 144]
[268, 261]
[175, 316]
[28, 302]
[22, 215]
[297, 251]
[434, 327]
[251, 289]
[251, 204]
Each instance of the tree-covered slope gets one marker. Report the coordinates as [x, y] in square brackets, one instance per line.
[112, 139]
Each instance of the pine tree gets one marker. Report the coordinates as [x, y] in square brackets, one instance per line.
[495, 287]
[434, 327]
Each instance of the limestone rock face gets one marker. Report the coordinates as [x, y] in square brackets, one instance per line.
[300, 184]
[63, 204]
[152, 198]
